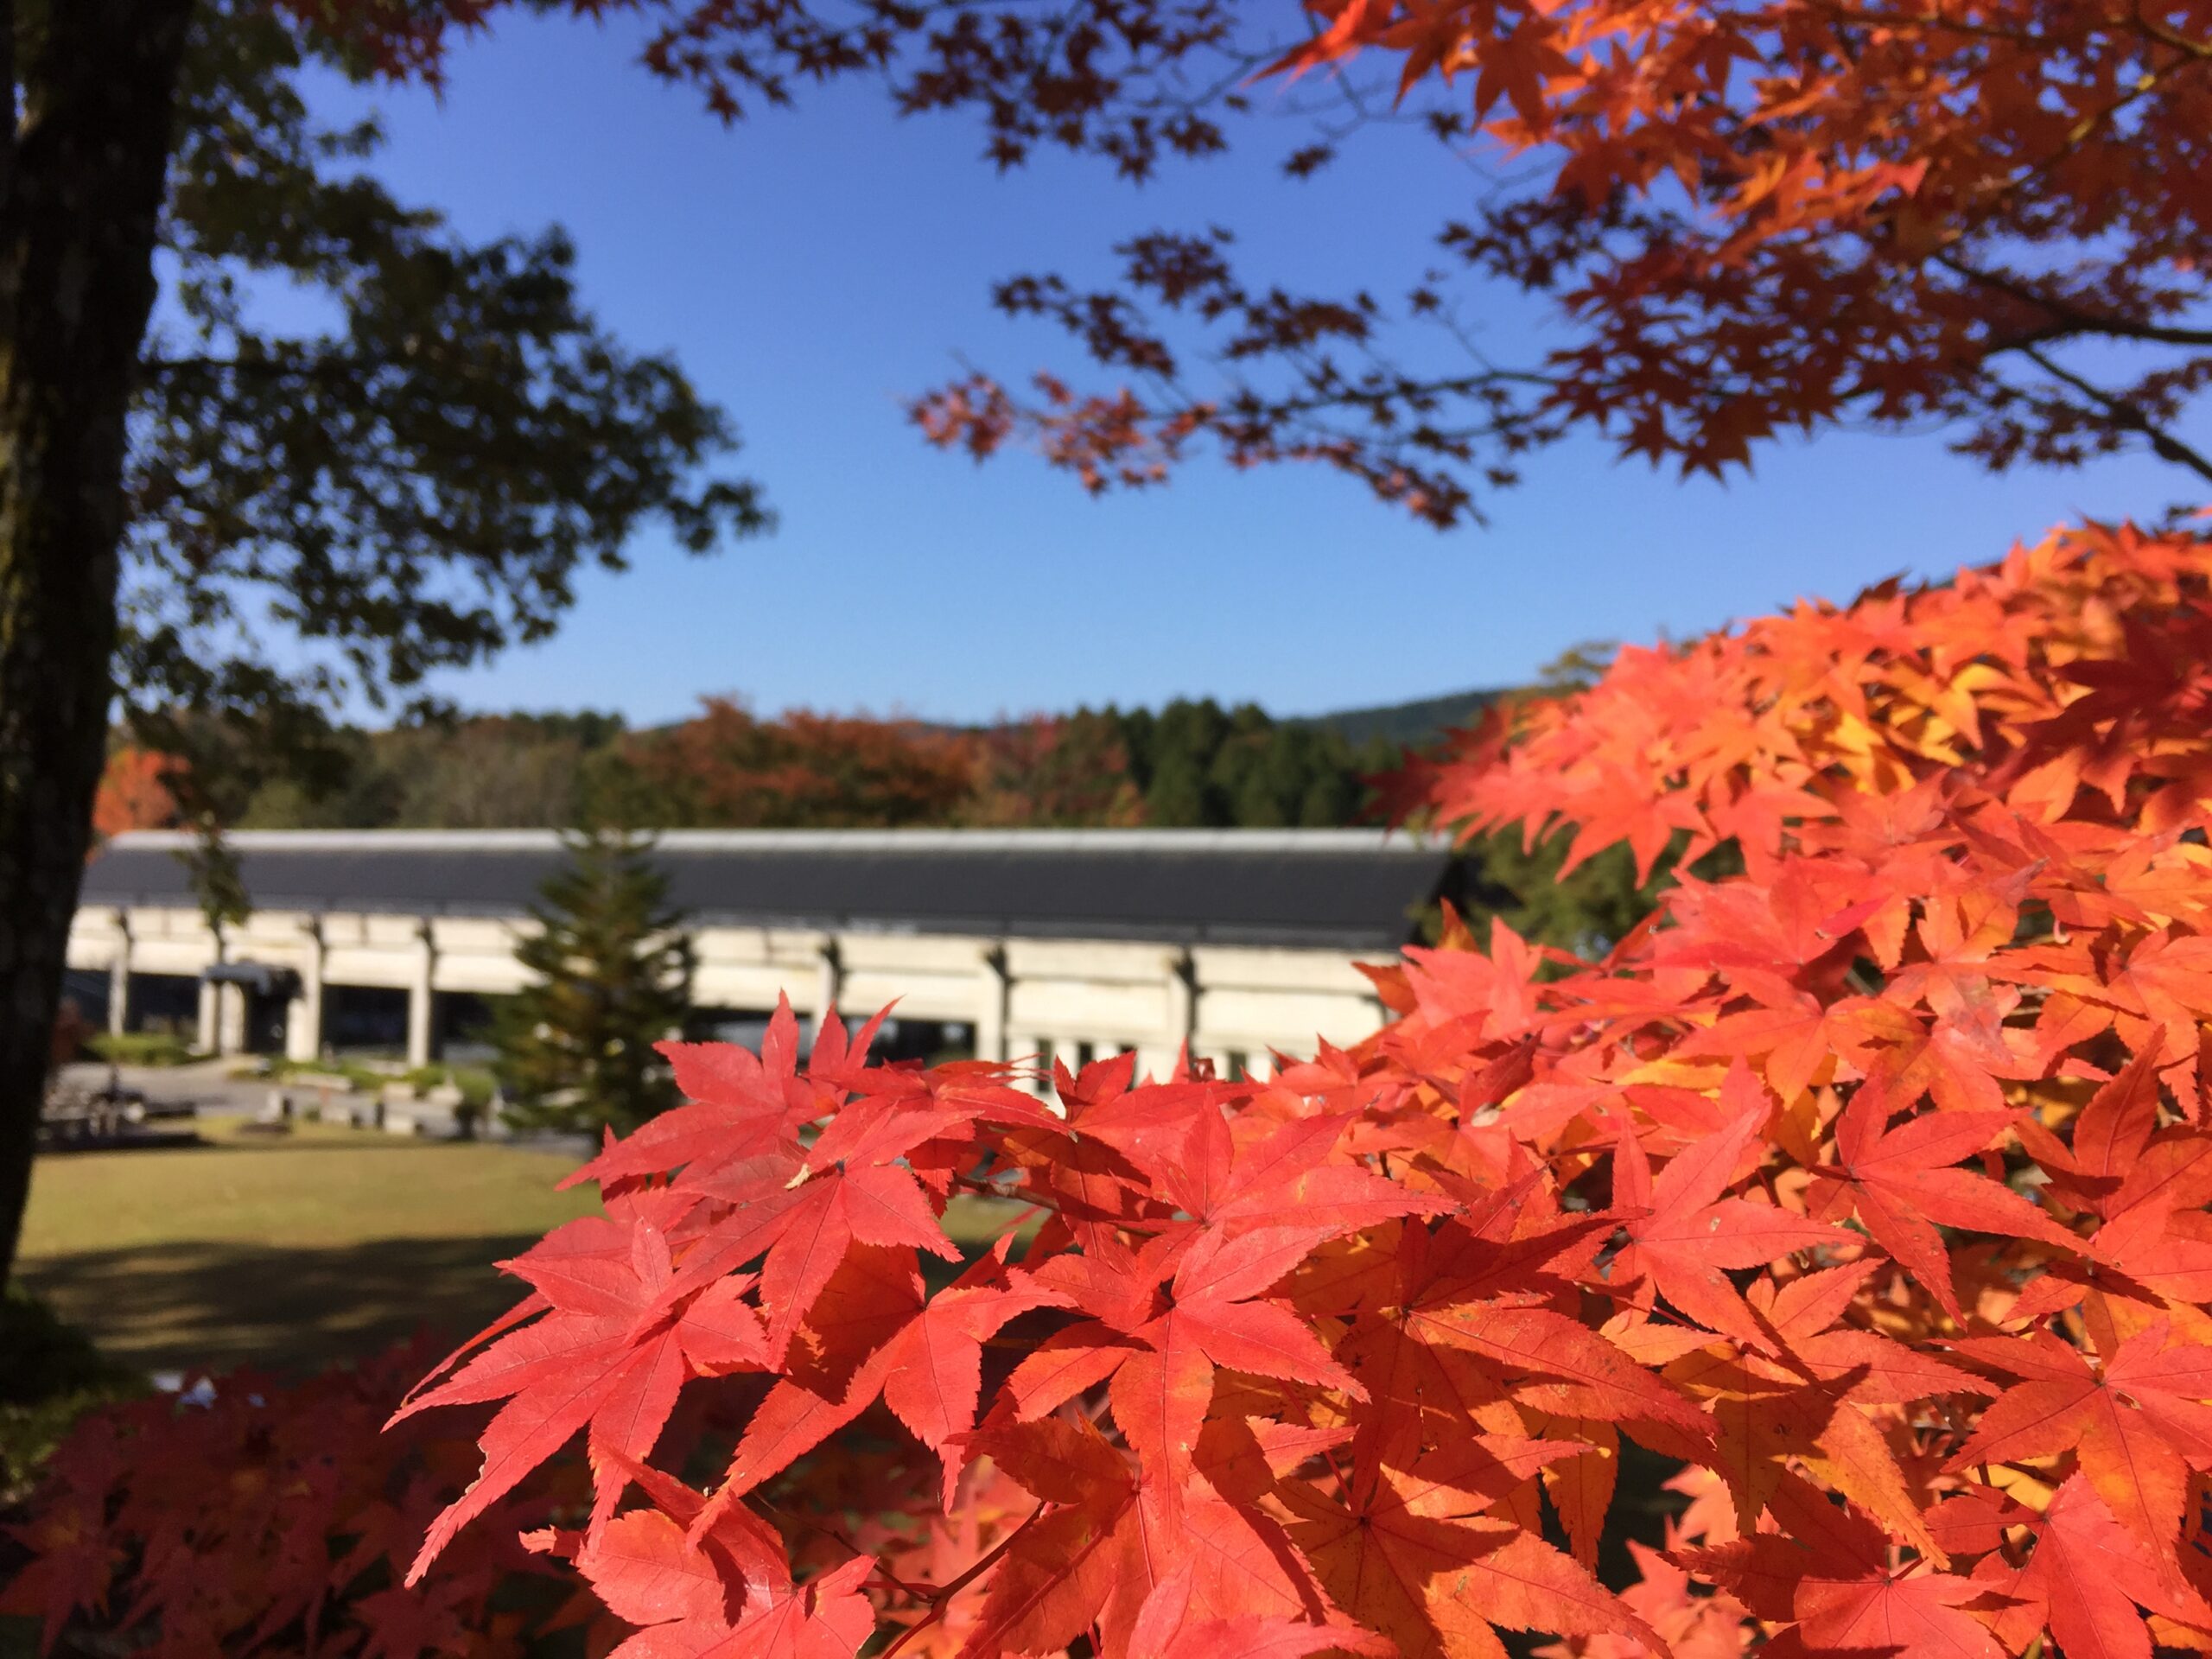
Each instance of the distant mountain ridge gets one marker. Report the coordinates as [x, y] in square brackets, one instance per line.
[1413, 724]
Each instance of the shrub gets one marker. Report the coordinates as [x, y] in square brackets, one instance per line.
[250, 1516]
[140, 1048]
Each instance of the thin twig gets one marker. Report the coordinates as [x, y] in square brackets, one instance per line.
[938, 1602]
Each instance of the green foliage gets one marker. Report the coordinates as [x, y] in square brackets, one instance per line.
[1585, 913]
[484, 772]
[1409, 725]
[475, 1083]
[140, 1048]
[401, 468]
[52, 1375]
[1199, 765]
[366, 1078]
[611, 975]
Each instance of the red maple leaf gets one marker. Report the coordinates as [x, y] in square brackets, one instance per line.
[2137, 1421]
[1900, 1183]
[1683, 1233]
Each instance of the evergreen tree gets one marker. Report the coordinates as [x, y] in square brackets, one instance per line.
[613, 970]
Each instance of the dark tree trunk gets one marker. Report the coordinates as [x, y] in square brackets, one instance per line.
[82, 168]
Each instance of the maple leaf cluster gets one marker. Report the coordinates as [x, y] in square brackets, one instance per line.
[255, 1516]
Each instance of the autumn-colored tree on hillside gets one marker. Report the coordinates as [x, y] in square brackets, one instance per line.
[1052, 771]
[135, 793]
[1873, 1184]
[727, 766]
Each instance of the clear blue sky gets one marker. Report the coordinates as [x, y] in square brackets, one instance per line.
[812, 269]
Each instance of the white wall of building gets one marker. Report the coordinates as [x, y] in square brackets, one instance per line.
[1023, 995]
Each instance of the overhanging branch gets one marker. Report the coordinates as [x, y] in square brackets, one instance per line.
[2126, 416]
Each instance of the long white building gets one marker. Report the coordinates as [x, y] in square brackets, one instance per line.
[1069, 944]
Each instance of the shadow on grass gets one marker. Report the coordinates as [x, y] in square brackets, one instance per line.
[128, 1140]
[337, 1140]
[212, 1305]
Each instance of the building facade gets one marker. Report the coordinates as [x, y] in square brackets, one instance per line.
[1063, 943]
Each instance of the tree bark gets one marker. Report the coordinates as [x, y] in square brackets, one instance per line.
[82, 172]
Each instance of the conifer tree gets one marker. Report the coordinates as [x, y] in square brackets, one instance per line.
[612, 969]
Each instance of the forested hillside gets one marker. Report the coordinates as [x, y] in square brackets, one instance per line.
[1188, 764]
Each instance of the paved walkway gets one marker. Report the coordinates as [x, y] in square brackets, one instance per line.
[205, 1084]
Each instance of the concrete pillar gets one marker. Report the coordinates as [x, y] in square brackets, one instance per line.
[1181, 1000]
[1156, 1061]
[119, 978]
[208, 1038]
[422, 1006]
[829, 982]
[991, 985]
[303, 1019]
[230, 1020]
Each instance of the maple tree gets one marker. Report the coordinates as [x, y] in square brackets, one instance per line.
[135, 793]
[800, 769]
[1749, 220]
[1868, 1182]
[1873, 1184]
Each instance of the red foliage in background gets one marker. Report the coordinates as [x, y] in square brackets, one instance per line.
[727, 766]
[135, 793]
[803, 770]
[257, 1515]
[1055, 770]
[1871, 1183]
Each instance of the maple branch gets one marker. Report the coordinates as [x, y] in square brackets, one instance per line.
[2165, 36]
[1905, 20]
[919, 1591]
[938, 1601]
[2076, 320]
[2126, 416]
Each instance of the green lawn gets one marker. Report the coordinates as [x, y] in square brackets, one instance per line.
[293, 1251]
[323, 1244]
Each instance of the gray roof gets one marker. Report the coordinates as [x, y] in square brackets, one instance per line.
[1347, 889]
